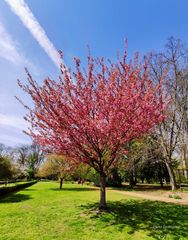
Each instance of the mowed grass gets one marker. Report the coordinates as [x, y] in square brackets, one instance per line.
[43, 212]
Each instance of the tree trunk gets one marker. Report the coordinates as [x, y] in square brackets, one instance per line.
[171, 175]
[184, 157]
[6, 182]
[61, 183]
[132, 179]
[142, 179]
[102, 204]
[161, 182]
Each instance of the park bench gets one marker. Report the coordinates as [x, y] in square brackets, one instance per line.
[183, 186]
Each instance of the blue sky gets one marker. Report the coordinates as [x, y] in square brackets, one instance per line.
[32, 31]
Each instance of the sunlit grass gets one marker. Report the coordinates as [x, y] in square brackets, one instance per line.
[43, 212]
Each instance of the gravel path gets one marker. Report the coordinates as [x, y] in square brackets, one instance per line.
[163, 197]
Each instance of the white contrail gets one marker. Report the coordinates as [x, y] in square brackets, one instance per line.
[21, 9]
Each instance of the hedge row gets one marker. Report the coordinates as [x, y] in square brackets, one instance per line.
[12, 181]
[11, 189]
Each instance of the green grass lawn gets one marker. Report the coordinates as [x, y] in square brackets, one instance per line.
[43, 212]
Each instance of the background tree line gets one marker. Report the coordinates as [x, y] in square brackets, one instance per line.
[20, 162]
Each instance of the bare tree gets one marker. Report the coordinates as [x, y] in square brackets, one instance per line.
[6, 150]
[22, 153]
[35, 156]
[183, 108]
[174, 58]
[30, 157]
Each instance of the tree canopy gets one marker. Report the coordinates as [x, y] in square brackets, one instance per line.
[90, 114]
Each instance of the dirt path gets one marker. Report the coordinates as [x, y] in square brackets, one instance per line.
[163, 197]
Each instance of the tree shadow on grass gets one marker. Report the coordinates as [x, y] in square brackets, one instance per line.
[160, 220]
[29, 189]
[142, 188]
[76, 189]
[15, 197]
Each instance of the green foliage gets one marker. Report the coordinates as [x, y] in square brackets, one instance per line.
[30, 173]
[5, 168]
[114, 179]
[145, 161]
[82, 172]
[14, 188]
[177, 197]
[174, 196]
[94, 177]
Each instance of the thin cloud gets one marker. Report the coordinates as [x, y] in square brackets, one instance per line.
[9, 49]
[21, 9]
[13, 122]
[11, 129]
[13, 141]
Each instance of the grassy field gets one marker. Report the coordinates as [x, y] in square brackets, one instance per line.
[43, 212]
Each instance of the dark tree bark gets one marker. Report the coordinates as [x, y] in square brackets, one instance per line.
[61, 183]
[161, 182]
[102, 204]
[142, 179]
[132, 178]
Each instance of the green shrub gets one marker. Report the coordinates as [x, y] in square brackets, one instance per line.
[177, 197]
[11, 189]
[174, 196]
